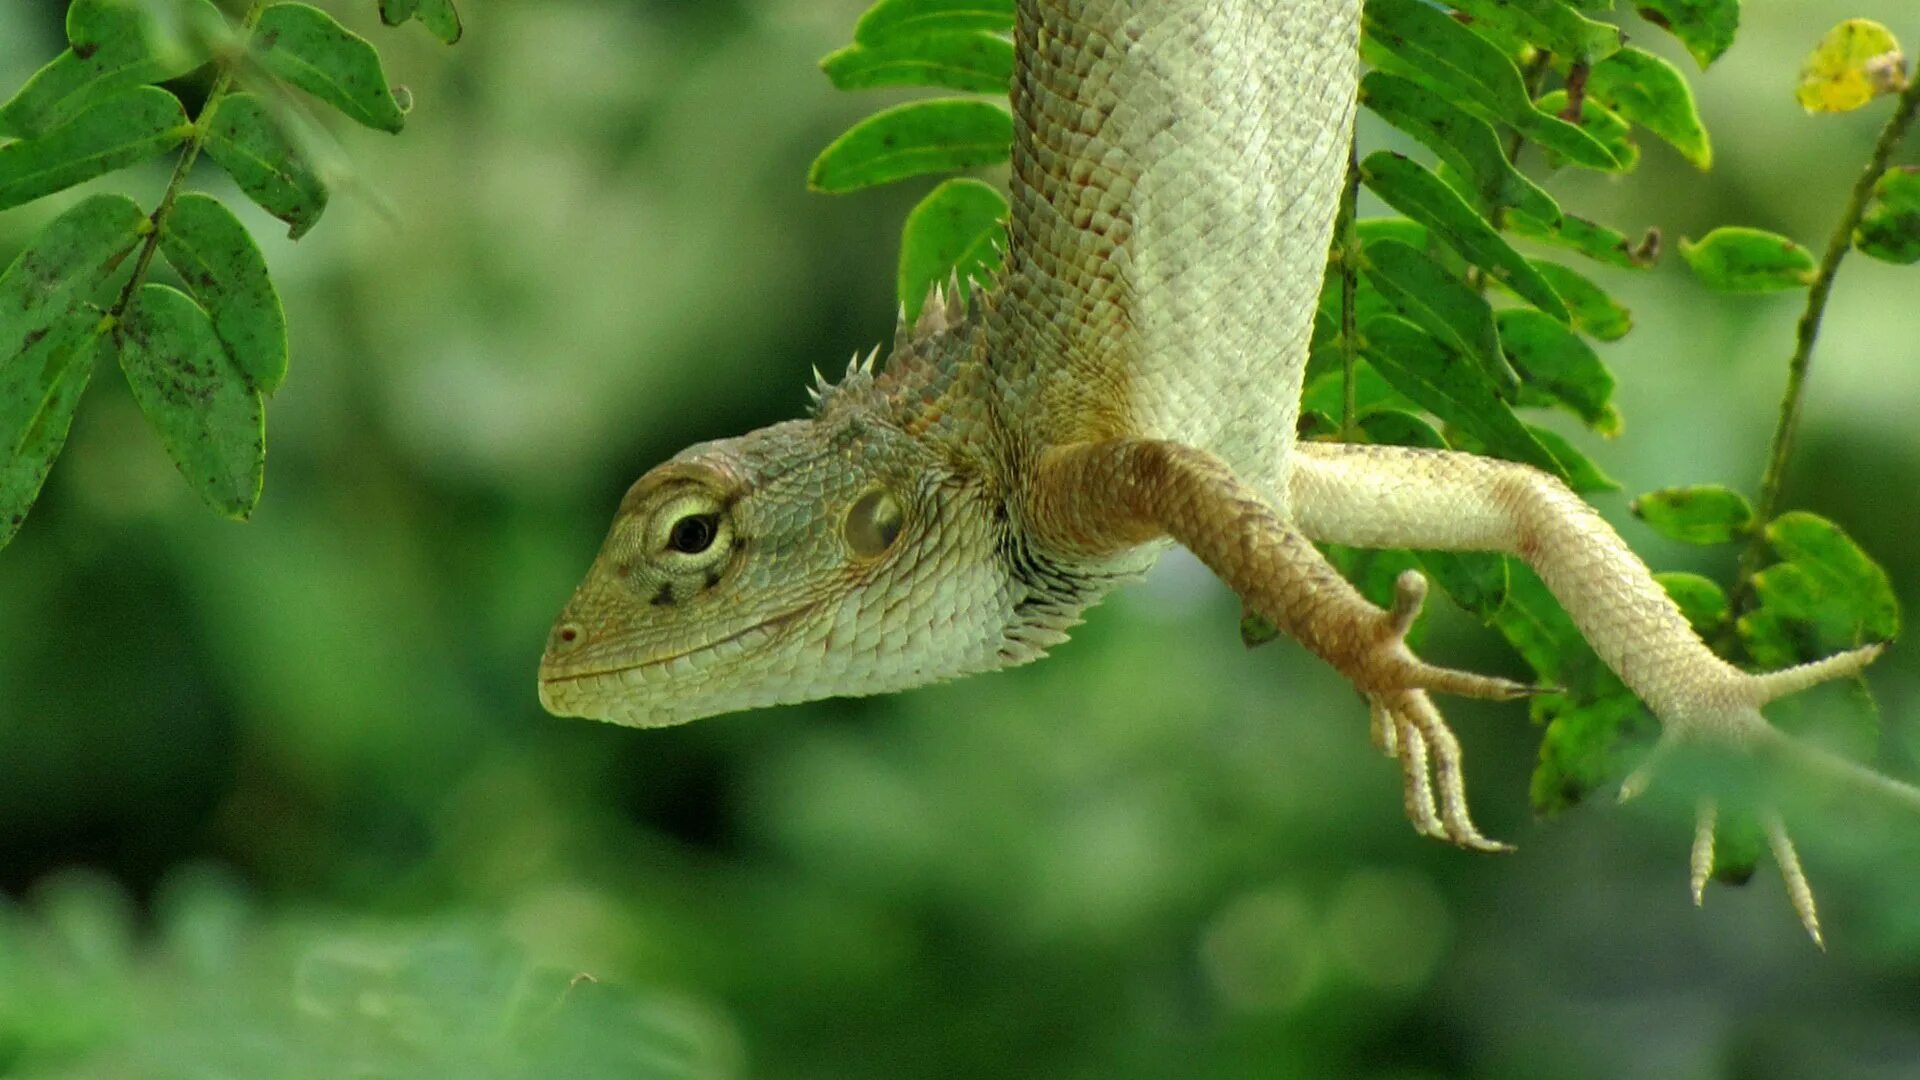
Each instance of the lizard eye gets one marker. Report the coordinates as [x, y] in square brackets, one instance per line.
[873, 523]
[692, 534]
[689, 531]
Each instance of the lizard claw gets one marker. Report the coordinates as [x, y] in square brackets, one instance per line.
[1799, 892]
[1406, 726]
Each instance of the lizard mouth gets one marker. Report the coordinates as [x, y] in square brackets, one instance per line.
[566, 692]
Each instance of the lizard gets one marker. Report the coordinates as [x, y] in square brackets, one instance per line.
[1129, 380]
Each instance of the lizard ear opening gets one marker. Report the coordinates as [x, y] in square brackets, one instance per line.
[873, 523]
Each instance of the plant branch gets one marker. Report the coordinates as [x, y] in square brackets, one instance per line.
[189, 153]
[1348, 239]
[1780, 453]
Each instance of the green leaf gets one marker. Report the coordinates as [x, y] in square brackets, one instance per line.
[305, 46]
[1461, 139]
[1582, 747]
[243, 139]
[1595, 241]
[1409, 188]
[1854, 63]
[1607, 127]
[907, 140]
[111, 53]
[1705, 27]
[1734, 258]
[1327, 393]
[1441, 304]
[115, 133]
[215, 256]
[1738, 843]
[1478, 74]
[395, 12]
[1594, 312]
[441, 20]
[1890, 230]
[1698, 514]
[1550, 24]
[1373, 230]
[60, 268]
[1583, 476]
[960, 227]
[47, 332]
[1451, 387]
[982, 63]
[1700, 599]
[1653, 94]
[194, 397]
[39, 389]
[891, 19]
[1558, 368]
[1825, 586]
[1397, 427]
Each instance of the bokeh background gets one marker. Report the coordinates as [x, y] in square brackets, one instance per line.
[278, 799]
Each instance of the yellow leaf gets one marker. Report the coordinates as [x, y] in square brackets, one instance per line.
[1856, 61]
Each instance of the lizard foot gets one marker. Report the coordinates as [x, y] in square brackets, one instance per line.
[1733, 723]
[1407, 726]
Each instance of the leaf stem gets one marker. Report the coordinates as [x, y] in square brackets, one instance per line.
[1808, 331]
[202, 123]
[1349, 241]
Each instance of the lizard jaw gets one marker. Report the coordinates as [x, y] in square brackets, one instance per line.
[620, 694]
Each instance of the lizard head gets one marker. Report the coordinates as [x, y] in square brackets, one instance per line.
[837, 555]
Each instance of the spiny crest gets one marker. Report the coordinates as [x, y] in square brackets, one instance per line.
[945, 309]
[859, 377]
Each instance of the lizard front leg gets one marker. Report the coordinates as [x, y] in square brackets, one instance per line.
[1091, 499]
[1391, 496]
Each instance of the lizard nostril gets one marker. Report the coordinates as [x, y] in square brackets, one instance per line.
[565, 635]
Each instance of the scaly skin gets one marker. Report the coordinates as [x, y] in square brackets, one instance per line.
[1132, 378]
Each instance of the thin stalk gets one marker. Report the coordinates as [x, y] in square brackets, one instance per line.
[1780, 453]
[189, 153]
[1349, 241]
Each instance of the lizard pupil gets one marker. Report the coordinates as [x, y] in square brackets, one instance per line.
[691, 535]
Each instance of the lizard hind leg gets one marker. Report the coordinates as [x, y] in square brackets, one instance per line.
[1092, 499]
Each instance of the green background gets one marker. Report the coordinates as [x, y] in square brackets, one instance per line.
[278, 799]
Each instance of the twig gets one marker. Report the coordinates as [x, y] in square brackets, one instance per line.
[1348, 238]
[201, 125]
[1781, 450]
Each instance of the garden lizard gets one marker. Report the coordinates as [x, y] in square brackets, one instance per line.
[1130, 379]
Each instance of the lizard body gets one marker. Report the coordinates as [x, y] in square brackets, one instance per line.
[1132, 377]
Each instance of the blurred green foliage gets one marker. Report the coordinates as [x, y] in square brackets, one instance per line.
[341, 835]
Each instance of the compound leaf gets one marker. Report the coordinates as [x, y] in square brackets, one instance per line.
[1460, 138]
[1652, 93]
[1705, 27]
[114, 133]
[243, 139]
[1559, 368]
[1451, 387]
[1439, 303]
[1855, 62]
[978, 62]
[1890, 229]
[111, 52]
[1409, 188]
[911, 139]
[215, 256]
[959, 227]
[207, 416]
[1697, 514]
[308, 48]
[1734, 258]
[891, 19]
[1594, 312]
